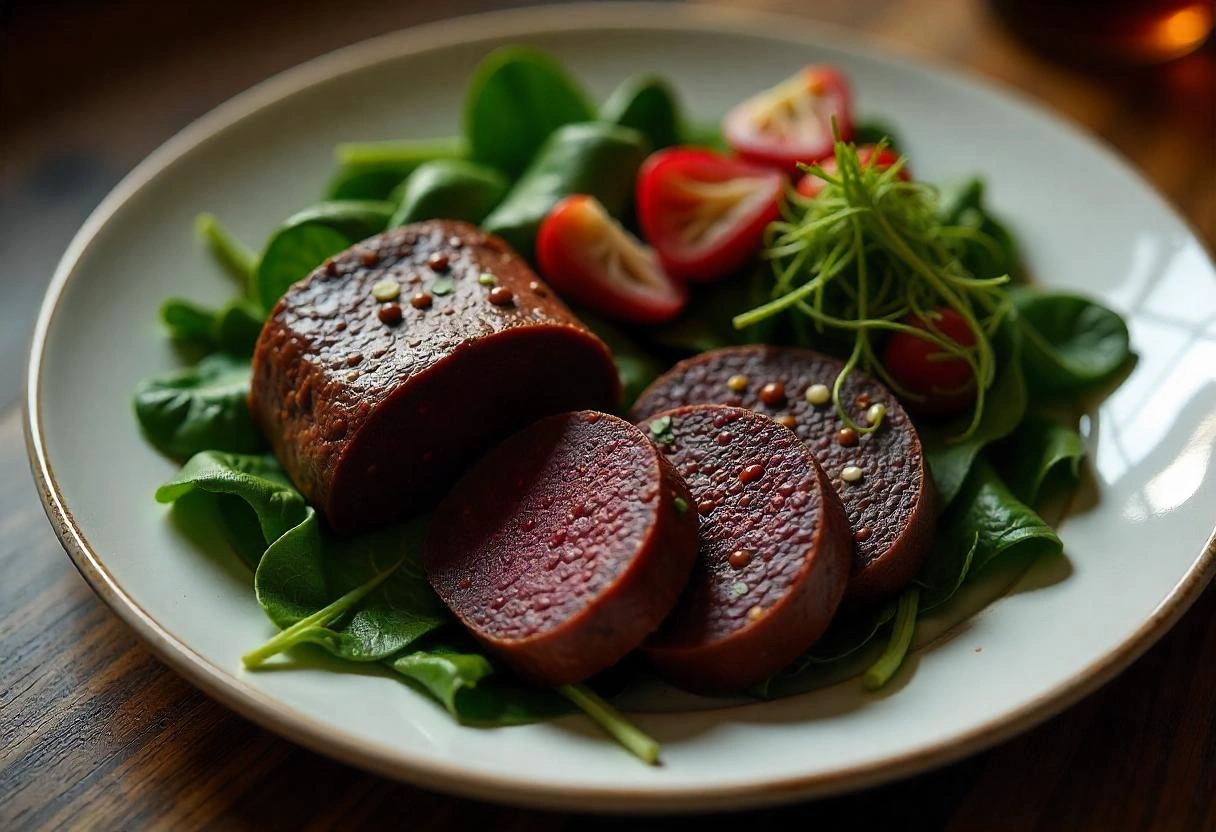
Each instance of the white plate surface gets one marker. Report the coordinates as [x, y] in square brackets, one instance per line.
[1135, 556]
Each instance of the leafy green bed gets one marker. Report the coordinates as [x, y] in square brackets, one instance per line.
[531, 136]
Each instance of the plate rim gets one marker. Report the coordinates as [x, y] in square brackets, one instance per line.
[401, 764]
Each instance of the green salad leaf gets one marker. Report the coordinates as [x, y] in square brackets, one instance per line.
[851, 632]
[302, 571]
[457, 674]
[233, 328]
[1042, 456]
[986, 522]
[648, 104]
[445, 672]
[516, 98]
[187, 321]
[593, 158]
[307, 238]
[706, 134]
[199, 408]
[990, 252]
[1070, 344]
[950, 459]
[363, 598]
[453, 189]
[372, 170]
[875, 130]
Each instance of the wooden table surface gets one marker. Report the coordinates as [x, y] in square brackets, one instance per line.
[96, 733]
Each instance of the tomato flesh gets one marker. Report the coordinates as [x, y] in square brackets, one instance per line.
[705, 213]
[945, 385]
[589, 258]
[792, 122]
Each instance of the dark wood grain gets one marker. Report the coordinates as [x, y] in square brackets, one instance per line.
[96, 734]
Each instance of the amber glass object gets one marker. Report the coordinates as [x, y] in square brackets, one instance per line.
[1115, 31]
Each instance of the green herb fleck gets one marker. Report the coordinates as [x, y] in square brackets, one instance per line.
[681, 505]
[660, 431]
[487, 279]
[443, 286]
[738, 589]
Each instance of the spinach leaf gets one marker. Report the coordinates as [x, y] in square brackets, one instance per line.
[356, 219]
[301, 570]
[648, 104]
[236, 327]
[454, 671]
[187, 321]
[366, 599]
[233, 255]
[949, 460]
[452, 189]
[600, 160]
[994, 252]
[292, 253]
[849, 633]
[987, 521]
[257, 480]
[873, 130]
[1041, 456]
[704, 134]
[444, 672]
[307, 238]
[199, 408]
[516, 98]
[233, 328]
[1071, 344]
[402, 610]
[371, 170]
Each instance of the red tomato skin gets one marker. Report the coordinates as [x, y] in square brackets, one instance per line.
[659, 201]
[948, 386]
[754, 146]
[810, 185]
[570, 231]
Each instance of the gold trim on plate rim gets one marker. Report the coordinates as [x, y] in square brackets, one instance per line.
[400, 763]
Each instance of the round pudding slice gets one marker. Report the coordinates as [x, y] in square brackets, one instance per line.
[564, 547]
[774, 552]
[881, 476]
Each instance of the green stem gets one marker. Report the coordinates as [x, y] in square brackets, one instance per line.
[288, 638]
[642, 746]
[888, 663]
[398, 152]
[755, 316]
[237, 258]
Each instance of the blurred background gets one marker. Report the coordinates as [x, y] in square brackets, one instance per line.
[88, 88]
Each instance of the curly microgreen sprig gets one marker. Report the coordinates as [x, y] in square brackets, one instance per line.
[870, 251]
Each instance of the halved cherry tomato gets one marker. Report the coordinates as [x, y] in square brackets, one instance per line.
[792, 122]
[589, 258]
[945, 384]
[705, 213]
[810, 185]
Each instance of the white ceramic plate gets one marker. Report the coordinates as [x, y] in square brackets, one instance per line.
[1136, 557]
